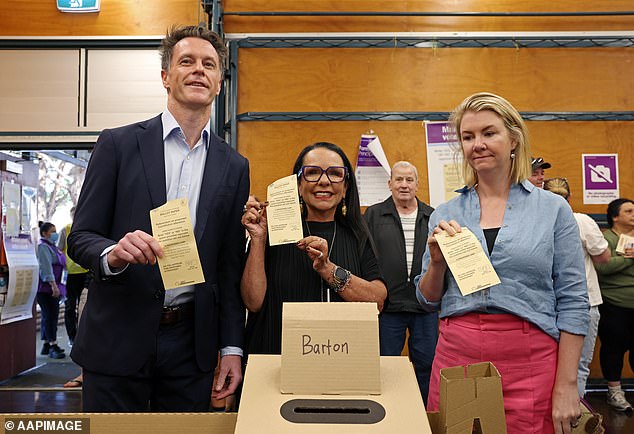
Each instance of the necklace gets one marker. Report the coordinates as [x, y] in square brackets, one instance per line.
[321, 281]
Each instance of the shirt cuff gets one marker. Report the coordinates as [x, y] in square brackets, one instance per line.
[105, 268]
[231, 351]
[426, 304]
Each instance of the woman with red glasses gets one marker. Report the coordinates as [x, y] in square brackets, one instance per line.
[334, 262]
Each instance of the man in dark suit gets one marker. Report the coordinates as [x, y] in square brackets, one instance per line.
[142, 347]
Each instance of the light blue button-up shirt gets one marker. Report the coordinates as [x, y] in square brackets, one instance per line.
[184, 169]
[537, 255]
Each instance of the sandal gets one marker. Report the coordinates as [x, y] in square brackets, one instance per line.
[75, 382]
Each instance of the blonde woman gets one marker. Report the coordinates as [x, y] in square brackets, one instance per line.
[531, 325]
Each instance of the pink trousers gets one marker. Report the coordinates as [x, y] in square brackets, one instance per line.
[525, 356]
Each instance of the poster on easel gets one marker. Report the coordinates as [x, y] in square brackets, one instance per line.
[23, 278]
[443, 163]
[373, 171]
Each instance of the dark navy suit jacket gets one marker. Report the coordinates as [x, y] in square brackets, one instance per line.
[125, 179]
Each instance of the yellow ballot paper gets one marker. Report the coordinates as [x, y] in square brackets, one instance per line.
[467, 261]
[283, 215]
[172, 228]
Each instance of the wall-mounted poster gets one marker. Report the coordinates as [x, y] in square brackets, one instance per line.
[373, 171]
[443, 164]
[600, 178]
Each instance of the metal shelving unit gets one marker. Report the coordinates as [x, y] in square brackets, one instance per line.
[501, 40]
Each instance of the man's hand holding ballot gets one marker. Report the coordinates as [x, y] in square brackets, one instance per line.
[172, 228]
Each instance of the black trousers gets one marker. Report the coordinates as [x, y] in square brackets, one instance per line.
[616, 331]
[49, 309]
[170, 381]
[75, 284]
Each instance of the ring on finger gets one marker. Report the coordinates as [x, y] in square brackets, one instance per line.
[244, 208]
[321, 255]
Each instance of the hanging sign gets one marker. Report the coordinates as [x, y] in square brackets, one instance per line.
[78, 5]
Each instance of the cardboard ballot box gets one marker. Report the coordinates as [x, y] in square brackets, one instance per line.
[330, 348]
[264, 409]
[470, 393]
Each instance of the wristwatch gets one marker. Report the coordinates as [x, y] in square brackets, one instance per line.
[340, 278]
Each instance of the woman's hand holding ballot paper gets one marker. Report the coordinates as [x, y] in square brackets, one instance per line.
[466, 259]
[431, 283]
[254, 218]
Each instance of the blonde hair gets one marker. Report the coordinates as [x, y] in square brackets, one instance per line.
[521, 164]
[558, 186]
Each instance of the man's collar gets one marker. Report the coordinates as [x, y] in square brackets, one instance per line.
[170, 124]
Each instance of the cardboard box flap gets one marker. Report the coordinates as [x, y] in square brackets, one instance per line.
[469, 393]
[330, 348]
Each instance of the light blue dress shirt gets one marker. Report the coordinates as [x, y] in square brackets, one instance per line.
[184, 168]
[537, 255]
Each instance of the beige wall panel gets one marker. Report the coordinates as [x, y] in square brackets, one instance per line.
[272, 148]
[39, 90]
[235, 24]
[117, 17]
[124, 86]
[312, 79]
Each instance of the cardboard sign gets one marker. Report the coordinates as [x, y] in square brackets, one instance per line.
[398, 409]
[330, 348]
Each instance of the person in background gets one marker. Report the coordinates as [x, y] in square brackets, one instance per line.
[616, 279]
[76, 283]
[398, 226]
[143, 348]
[78, 381]
[335, 261]
[538, 165]
[531, 325]
[50, 288]
[595, 251]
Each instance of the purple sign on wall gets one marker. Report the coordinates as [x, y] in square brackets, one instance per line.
[366, 158]
[600, 178]
[440, 132]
